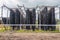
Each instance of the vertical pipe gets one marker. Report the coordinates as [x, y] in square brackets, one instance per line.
[59, 13]
[2, 13]
[7, 18]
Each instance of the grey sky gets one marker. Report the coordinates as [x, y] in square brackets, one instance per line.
[29, 3]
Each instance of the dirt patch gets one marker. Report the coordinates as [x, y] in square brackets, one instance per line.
[29, 36]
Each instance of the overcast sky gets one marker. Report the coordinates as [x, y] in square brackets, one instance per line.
[30, 3]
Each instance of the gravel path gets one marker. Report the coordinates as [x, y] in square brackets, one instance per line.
[29, 36]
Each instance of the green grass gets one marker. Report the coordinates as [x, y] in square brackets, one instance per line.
[30, 31]
[4, 29]
[37, 31]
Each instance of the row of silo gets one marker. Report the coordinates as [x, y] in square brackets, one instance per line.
[47, 18]
[30, 18]
[16, 17]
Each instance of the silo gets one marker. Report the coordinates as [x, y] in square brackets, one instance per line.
[28, 18]
[33, 18]
[52, 20]
[12, 18]
[44, 19]
[17, 18]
